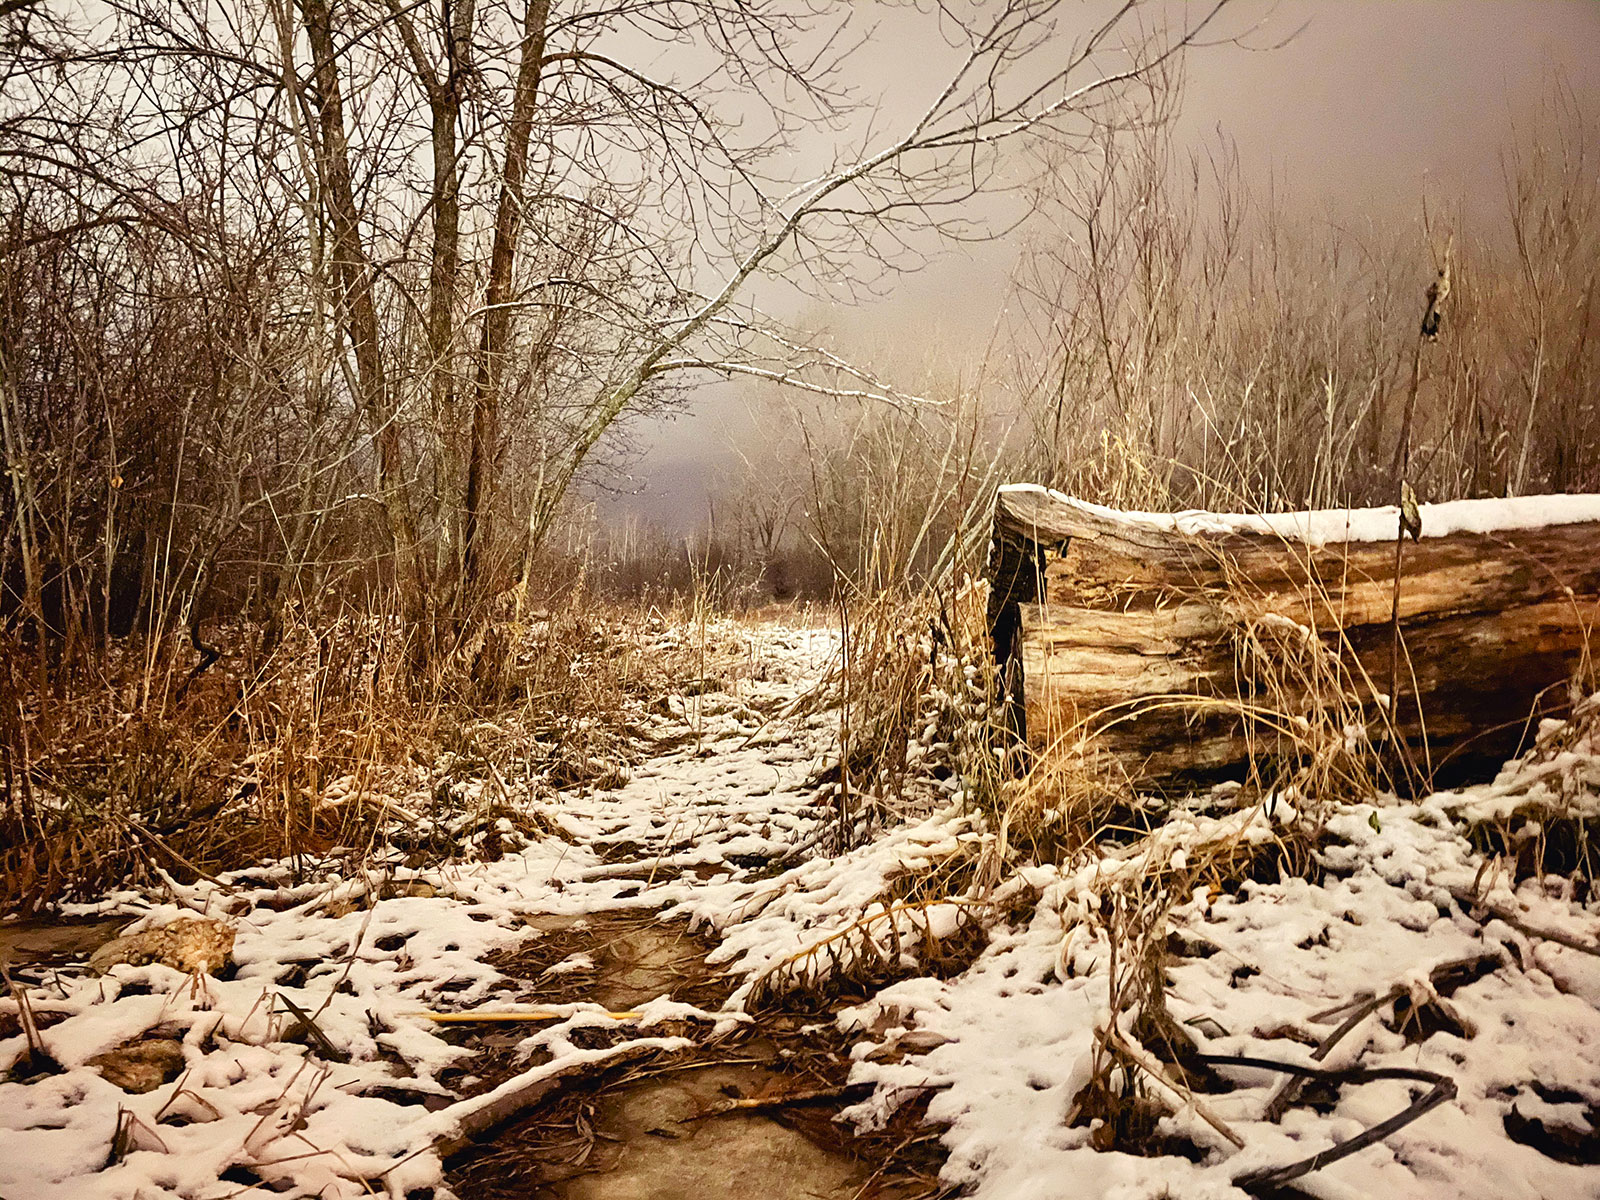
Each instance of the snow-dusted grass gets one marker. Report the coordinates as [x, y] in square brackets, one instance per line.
[1268, 968]
[141, 767]
[720, 828]
[251, 1100]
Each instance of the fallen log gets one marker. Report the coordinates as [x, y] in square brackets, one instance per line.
[1197, 646]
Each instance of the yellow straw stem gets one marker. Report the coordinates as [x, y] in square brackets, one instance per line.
[509, 1015]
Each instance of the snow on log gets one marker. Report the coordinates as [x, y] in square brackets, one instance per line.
[1193, 645]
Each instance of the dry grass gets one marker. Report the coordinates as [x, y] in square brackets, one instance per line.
[1552, 829]
[311, 753]
[1299, 698]
[1303, 703]
[938, 936]
[879, 689]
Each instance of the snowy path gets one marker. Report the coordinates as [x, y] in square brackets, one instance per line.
[254, 1113]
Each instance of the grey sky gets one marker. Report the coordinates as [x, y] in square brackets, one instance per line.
[1372, 105]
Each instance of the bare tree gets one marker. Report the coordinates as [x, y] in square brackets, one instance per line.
[429, 258]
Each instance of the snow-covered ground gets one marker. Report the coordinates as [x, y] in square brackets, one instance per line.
[1274, 968]
[720, 829]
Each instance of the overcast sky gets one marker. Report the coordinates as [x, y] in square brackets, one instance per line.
[1371, 105]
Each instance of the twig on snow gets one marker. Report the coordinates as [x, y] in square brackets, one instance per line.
[1468, 901]
[510, 1015]
[1279, 1104]
[304, 1020]
[1268, 1179]
[1140, 1058]
[1358, 1011]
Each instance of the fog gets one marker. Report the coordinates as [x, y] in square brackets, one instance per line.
[1352, 110]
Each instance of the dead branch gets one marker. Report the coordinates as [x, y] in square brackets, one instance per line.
[1469, 902]
[510, 1016]
[469, 1119]
[783, 1100]
[1268, 1179]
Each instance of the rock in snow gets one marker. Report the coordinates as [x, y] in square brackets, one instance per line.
[141, 1067]
[199, 946]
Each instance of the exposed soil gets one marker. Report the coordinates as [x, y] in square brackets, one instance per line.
[618, 960]
[659, 1132]
[665, 1151]
[751, 1113]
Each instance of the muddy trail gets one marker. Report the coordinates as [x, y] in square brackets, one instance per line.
[751, 1109]
[751, 1112]
[754, 1111]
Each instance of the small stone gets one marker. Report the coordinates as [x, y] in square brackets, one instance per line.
[190, 946]
[141, 1067]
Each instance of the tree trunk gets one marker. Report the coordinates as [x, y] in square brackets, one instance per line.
[497, 312]
[1193, 648]
[444, 90]
[353, 280]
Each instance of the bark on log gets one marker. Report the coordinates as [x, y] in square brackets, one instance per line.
[1194, 647]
